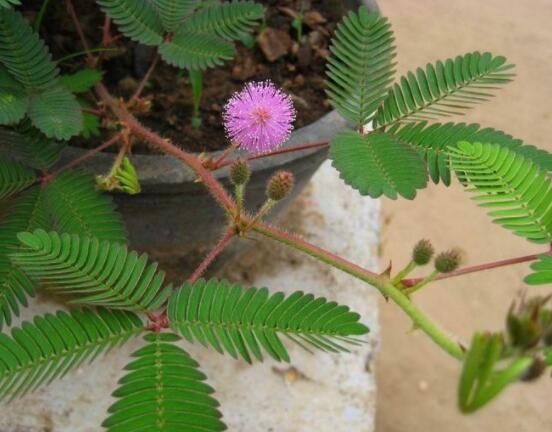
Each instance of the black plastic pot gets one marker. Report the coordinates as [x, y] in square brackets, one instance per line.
[176, 221]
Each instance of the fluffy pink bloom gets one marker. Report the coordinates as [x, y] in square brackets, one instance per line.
[259, 118]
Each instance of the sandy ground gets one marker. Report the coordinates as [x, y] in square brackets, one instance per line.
[417, 382]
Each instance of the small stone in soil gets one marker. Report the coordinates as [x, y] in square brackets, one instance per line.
[274, 43]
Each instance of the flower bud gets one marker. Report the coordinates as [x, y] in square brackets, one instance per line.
[423, 252]
[534, 371]
[239, 172]
[448, 261]
[280, 185]
[527, 322]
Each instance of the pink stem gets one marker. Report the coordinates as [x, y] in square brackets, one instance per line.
[145, 79]
[85, 156]
[474, 269]
[73, 14]
[309, 146]
[215, 252]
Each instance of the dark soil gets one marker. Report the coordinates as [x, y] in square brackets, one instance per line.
[299, 69]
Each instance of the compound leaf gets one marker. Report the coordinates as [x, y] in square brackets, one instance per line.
[137, 19]
[56, 112]
[433, 141]
[23, 53]
[444, 89]
[360, 68]
[378, 164]
[91, 271]
[242, 321]
[228, 20]
[515, 190]
[14, 177]
[542, 271]
[25, 213]
[163, 390]
[173, 12]
[196, 51]
[78, 208]
[52, 345]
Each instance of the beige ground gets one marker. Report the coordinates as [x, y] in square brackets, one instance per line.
[417, 383]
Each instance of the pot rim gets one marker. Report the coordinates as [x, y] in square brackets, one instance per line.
[161, 170]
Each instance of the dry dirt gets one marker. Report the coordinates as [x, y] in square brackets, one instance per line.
[417, 382]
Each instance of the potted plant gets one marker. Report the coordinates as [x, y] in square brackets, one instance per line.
[61, 236]
[169, 188]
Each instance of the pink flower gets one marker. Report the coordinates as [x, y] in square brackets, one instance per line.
[259, 118]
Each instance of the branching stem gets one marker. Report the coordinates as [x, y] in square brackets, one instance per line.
[475, 269]
[383, 284]
[145, 79]
[73, 14]
[310, 146]
[84, 157]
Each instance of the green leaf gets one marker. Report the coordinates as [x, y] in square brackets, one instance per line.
[515, 190]
[52, 345]
[13, 99]
[229, 20]
[542, 271]
[127, 178]
[163, 390]
[136, 19]
[481, 381]
[196, 51]
[433, 141]
[14, 177]
[91, 271]
[444, 89]
[241, 321]
[81, 81]
[56, 112]
[173, 12]
[360, 68]
[30, 146]
[23, 53]
[9, 3]
[23, 214]
[78, 208]
[378, 164]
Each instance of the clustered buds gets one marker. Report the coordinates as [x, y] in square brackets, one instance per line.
[423, 252]
[280, 185]
[240, 172]
[529, 323]
[448, 261]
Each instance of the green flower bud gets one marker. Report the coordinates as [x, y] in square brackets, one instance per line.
[527, 322]
[534, 371]
[280, 185]
[423, 252]
[240, 172]
[448, 261]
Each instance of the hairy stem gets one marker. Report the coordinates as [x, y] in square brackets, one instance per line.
[145, 79]
[217, 190]
[308, 146]
[381, 283]
[73, 14]
[85, 156]
[215, 252]
[119, 109]
[474, 269]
